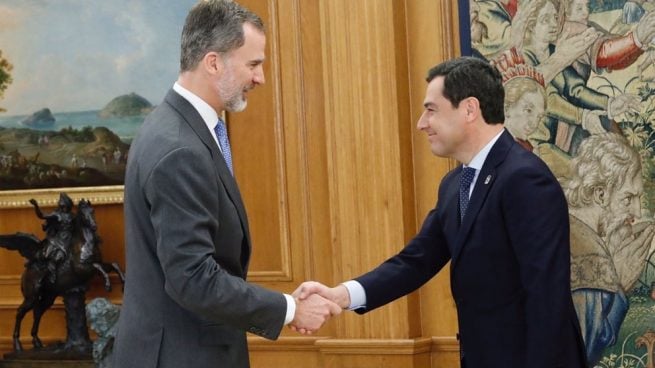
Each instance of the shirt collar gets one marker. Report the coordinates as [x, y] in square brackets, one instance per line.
[479, 159]
[207, 113]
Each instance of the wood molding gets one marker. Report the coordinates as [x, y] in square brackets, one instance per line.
[13, 303]
[375, 346]
[10, 279]
[328, 352]
[297, 348]
[450, 47]
[450, 29]
[445, 352]
[370, 353]
[367, 346]
[446, 344]
[298, 343]
[261, 172]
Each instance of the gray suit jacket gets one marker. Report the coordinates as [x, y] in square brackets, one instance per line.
[186, 302]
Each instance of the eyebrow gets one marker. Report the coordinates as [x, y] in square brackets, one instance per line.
[429, 104]
[633, 193]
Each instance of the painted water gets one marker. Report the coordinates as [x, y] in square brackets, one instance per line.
[123, 127]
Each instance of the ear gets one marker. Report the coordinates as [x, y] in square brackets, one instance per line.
[471, 108]
[212, 63]
[600, 196]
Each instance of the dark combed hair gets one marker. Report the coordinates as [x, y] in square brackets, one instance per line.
[214, 25]
[466, 77]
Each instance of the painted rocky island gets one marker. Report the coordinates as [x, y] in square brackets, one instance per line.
[74, 149]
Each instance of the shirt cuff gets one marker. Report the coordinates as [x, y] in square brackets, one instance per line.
[357, 294]
[291, 309]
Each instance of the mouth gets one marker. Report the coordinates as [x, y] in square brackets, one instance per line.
[245, 91]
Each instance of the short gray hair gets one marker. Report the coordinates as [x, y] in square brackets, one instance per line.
[604, 160]
[214, 25]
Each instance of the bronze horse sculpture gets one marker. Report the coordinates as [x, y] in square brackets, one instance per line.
[51, 270]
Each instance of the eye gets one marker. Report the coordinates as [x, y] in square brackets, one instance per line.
[254, 64]
[627, 200]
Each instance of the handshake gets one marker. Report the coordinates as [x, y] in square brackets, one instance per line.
[315, 304]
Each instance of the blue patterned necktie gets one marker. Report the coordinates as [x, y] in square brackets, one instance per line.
[468, 173]
[224, 142]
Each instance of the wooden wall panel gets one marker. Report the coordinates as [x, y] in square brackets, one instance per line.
[430, 43]
[257, 138]
[318, 248]
[363, 147]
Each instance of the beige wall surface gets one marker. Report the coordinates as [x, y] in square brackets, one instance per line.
[335, 177]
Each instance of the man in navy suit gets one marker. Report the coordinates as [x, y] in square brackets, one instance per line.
[501, 219]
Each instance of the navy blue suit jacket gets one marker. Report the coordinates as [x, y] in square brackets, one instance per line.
[510, 267]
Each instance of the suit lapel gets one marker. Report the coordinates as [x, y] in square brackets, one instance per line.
[193, 118]
[483, 184]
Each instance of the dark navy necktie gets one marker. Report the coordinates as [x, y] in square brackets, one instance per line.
[224, 142]
[468, 173]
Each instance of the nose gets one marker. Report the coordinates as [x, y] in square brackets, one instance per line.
[553, 21]
[258, 77]
[636, 208]
[422, 122]
[531, 125]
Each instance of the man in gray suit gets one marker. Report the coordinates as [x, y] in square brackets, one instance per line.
[186, 301]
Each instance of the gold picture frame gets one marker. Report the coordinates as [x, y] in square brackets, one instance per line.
[110, 194]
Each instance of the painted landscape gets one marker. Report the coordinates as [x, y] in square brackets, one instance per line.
[46, 150]
[77, 79]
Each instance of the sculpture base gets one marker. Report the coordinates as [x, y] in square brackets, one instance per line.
[47, 358]
[27, 363]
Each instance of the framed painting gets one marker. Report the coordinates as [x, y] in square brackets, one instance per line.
[579, 79]
[76, 80]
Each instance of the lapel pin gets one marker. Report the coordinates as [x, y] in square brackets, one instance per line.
[487, 180]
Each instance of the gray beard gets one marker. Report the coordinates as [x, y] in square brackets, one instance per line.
[617, 232]
[236, 104]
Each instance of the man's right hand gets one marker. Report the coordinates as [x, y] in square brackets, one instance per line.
[312, 312]
[338, 294]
